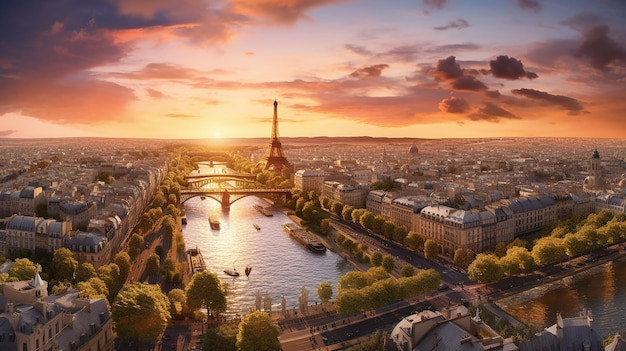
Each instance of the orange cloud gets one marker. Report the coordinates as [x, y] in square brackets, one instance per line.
[279, 11]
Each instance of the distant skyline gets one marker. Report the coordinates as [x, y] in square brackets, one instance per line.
[394, 68]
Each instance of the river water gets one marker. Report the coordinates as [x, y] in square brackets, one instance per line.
[601, 289]
[280, 265]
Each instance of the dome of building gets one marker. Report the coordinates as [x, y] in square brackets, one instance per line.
[413, 149]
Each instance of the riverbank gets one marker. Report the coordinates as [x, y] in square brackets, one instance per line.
[549, 278]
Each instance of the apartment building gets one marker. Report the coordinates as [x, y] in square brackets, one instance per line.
[309, 179]
[347, 194]
[31, 320]
[475, 230]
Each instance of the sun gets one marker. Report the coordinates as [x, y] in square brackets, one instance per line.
[217, 134]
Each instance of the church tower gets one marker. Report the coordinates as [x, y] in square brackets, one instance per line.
[595, 180]
[274, 159]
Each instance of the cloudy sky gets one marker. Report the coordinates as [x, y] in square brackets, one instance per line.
[392, 68]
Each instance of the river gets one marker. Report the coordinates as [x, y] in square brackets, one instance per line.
[601, 289]
[280, 265]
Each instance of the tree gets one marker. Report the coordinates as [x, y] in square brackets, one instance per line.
[399, 234]
[141, 312]
[351, 301]
[485, 268]
[85, 271]
[547, 250]
[205, 290]
[574, 245]
[22, 269]
[222, 338]
[463, 257]
[169, 225]
[377, 258]
[500, 249]
[135, 245]
[93, 288]
[407, 270]
[522, 257]
[153, 264]
[346, 213]
[63, 264]
[324, 291]
[122, 260]
[178, 302]
[110, 275]
[366, 219]
[388, 263]
[353, 280]
[431, 249]
[337, 208]
[388, 230]
[258, 332]
[414, 241]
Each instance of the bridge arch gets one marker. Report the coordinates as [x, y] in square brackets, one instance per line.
[226, 198]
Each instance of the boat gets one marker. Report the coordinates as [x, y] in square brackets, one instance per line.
[304, 237]
[232, 272]
[202, 197]
[196, 261]
[215, 222]
[263, 210]
[256, 226]
[248, 270]
[183, 220]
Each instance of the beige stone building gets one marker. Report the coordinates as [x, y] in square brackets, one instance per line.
[347, 194]
[34, 321]
[475, 230]
[308, 179]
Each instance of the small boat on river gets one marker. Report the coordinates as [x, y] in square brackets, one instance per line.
[256, 226]
[232, 272]
[248, 270]
[214, 221]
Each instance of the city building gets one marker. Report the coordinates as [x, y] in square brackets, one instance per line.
[595, 181]
[309, 179]
[576, 333]
[475, 230]
[31, 320]
[78, 212]
[347, 194]
[454, 329]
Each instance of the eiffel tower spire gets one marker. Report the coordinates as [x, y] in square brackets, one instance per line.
[274, 159]
[275, 121]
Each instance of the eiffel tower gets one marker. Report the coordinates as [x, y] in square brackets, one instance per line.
[273, 159]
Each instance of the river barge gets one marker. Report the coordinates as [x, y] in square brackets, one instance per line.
[304, 237]
[196, 261]
[266, 212]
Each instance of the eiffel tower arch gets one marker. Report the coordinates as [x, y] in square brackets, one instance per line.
[274, 159]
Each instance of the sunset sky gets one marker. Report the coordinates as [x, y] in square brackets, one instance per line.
[388, 68]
